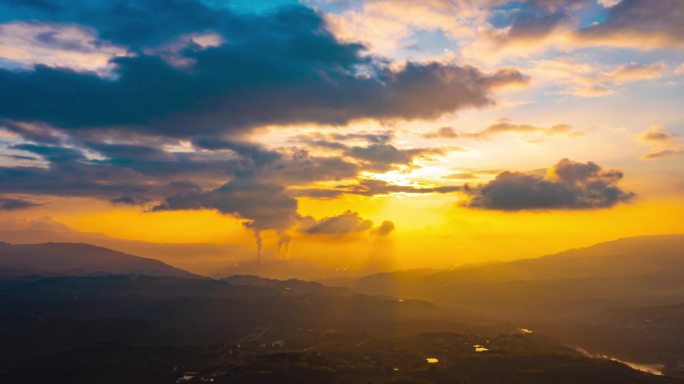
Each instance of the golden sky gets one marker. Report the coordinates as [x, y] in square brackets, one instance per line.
[365, 135]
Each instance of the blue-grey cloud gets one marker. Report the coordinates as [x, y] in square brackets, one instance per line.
[12, 204]
[633, 22]
[277, 68]
[569, 185]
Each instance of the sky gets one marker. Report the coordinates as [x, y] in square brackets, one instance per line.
[353, 135]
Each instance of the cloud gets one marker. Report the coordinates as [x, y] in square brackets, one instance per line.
[372, 138]
[632, 72]
[585, 80]
[265, 205]
[26, 44]
[568, 185]
[278, 68]
[385, 229]
[640, 24]
[505, 126]
[134, 24]
[383, 157]
[379, 155]
[663, 143]
[347, 223]
[658, 134]
[111, 170]
[663, 153]
[388, 27]
[529, 28]
[442, 133]
[11, 204]
[524, 29]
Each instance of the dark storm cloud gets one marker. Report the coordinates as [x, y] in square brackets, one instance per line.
[11, 204]
[570, 185]
[278, 68]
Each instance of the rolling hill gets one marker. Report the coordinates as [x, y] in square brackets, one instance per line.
[78, 259]
[580, 295]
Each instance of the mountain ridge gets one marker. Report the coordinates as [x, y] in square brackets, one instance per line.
[57, 258]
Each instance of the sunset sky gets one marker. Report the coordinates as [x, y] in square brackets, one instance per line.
[360, 134]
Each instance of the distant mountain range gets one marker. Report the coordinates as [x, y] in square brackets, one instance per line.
[610, 296]
[622, 297]
[657, 257]
[78, 259]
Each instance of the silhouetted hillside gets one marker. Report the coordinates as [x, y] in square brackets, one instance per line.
[78, 259]
[639, 256]
[246, 329]
[579, 294]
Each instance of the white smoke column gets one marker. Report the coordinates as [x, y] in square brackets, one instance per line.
[284, 245]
